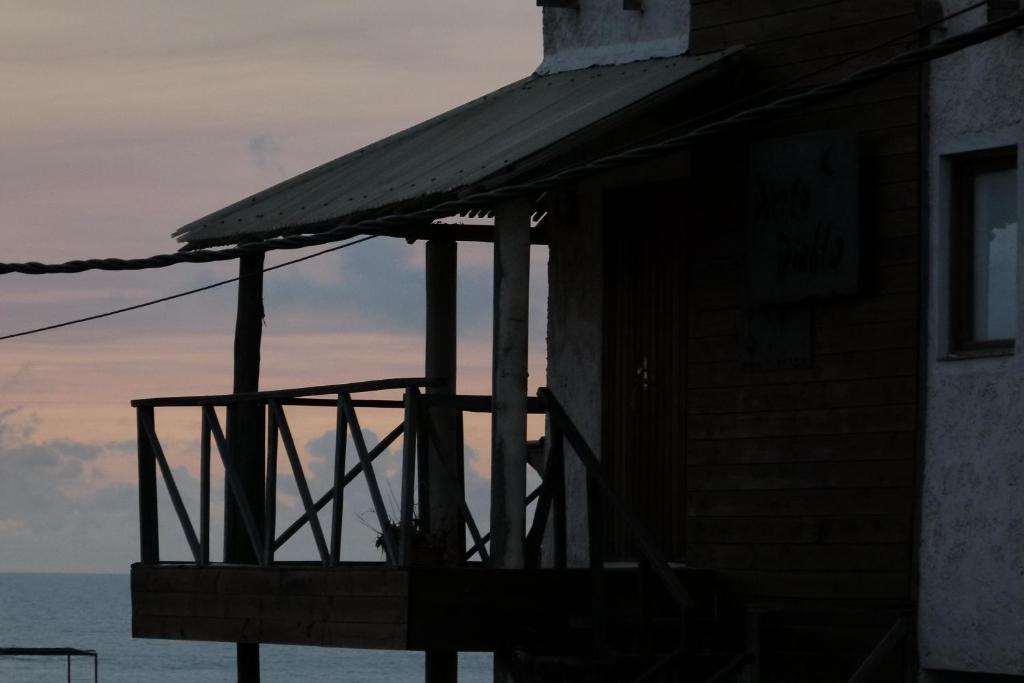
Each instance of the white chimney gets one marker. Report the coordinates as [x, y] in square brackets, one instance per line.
[597, 32]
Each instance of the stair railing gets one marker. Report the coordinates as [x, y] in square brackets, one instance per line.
[599, 492]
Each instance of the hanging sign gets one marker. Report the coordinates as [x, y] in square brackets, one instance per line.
[803, 223]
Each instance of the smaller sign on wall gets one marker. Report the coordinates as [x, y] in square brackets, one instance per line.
[803, 237]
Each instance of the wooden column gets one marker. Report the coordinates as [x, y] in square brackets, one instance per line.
[508, 386]
[442, 515]
[508, 382]
[149, 527]
[245, 434]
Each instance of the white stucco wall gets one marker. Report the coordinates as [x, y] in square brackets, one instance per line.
[601, 32]
[971, 601]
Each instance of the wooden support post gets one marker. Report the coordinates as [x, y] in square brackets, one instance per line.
[508, 386]
[442, 515]
[149, 529]
[508, 381]
[406, 524]
[245, 427]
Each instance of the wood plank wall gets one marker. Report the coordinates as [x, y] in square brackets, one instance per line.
[801, 482]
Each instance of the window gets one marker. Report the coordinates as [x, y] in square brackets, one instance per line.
[984, 241]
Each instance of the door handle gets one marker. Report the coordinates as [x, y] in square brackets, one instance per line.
[643, 375]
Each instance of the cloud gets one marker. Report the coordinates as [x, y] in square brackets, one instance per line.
[266, 154]
[54, 513]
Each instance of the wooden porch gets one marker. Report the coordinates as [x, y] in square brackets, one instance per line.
[421, 597]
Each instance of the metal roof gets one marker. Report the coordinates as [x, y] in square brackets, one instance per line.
[507, 131]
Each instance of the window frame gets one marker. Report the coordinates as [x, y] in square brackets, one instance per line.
[965, 168]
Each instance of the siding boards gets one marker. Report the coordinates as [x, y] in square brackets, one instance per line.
[795, 397]
[867, 557]
[770, 529]
[802, 475]
[815, 448]
[801, 482]
[800, 502]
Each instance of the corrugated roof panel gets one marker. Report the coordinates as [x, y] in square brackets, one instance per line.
[457, 149]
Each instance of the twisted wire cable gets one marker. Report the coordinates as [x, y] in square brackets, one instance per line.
[178, 295]
[485, 199]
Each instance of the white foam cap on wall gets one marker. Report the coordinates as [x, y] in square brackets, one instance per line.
[571, 59]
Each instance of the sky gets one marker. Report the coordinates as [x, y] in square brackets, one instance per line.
[125, 119]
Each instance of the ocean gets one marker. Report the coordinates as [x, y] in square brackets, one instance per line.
[93, 612]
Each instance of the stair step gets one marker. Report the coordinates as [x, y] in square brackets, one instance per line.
[616, 666]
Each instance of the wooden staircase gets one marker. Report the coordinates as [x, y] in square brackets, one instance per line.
[641, 637]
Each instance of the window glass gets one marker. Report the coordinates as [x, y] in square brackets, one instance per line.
[995, 255]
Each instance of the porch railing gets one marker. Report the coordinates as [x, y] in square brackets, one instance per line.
[421, 449]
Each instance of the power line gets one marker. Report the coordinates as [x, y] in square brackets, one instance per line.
[487, 198]
[179, 295]
[817, 72]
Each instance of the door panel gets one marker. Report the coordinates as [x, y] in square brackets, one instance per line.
[645, 370]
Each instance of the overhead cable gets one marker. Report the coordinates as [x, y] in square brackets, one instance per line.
[179, 295]
[786, 85]
[487, 198]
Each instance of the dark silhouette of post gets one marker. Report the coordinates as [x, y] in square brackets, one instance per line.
[442, 515]
[245, 430]
[508, 417]
[149, 526]
[508, 386]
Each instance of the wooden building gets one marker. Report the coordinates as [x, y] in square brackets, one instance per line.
[732, 470]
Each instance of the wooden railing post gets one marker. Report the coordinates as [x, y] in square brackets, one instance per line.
[440, 513]
[149, 427]
[204, 493]
[340, 450]
[406, 522]
[233, 483]
[270, 497]
[149, 530]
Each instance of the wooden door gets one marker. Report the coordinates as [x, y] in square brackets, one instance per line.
[644, 368]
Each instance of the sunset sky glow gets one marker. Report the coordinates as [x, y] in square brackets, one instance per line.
[124, 120]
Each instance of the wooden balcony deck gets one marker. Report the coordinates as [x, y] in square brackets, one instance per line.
[357, 605]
